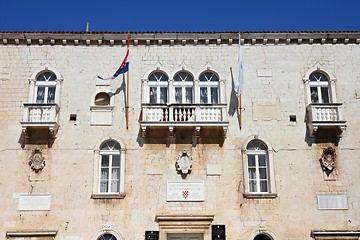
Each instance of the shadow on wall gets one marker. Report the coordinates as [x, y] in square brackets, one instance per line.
[234, 100]
[323, 135]
[36, 137]
[180, 136]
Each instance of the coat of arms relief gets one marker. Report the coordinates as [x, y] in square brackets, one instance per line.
[184, 163]
[37, 162]
[328, 159]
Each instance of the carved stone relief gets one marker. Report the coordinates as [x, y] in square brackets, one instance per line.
[328, 159]
[183, 163]
[37, 162]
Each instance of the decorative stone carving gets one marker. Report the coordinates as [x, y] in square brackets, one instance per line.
[328, 159]
[183, 163]
[37, 162]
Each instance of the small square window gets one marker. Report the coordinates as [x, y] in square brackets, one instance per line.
[72, 117]
[292, 118]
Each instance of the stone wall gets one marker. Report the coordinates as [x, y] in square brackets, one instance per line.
[274, 90]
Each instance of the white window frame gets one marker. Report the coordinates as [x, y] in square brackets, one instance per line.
[113, 237]
[209, 85]
[158, 85]
[98, 153]
[319, 84]
[35, 84]
[47, 84]
[107, 229]
[271, 187]
[183, 84]
[111, 154]
[257, 154]
[170, 85]
[330, 84]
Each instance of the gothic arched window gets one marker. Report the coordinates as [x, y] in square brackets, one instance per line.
[184, 87]
[258, 163]
[209, 87]
[110, 167]
[158, 87]
[45, 87]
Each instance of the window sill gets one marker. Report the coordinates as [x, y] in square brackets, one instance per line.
[107, 196]
[260, 195]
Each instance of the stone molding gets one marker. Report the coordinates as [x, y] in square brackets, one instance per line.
[179, 38]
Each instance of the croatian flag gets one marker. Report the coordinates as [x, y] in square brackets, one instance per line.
[124, 66]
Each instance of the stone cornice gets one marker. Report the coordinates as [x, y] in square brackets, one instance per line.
[178, 38]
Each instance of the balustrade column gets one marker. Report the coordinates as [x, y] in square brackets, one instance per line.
[171, 113]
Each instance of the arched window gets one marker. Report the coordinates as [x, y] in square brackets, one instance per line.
[107, 236]
[257, 163]
[319, 88]
[102, 99]
[158, 87]
[183, 87]
[209, 87]
[262, 237]
[110, 167]
[45, 87]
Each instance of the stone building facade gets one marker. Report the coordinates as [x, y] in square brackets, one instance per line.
[168, 150]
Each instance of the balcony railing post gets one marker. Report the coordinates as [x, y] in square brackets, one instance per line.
[171, 113]
[198, 113]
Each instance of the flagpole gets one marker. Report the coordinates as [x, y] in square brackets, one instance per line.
[127, 89]
[240, 111]
[127, 100]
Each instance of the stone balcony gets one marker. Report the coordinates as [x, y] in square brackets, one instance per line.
[184, 116]
[39, 117]
[325, 116]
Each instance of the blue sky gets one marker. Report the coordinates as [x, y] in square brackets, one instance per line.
[180, 15]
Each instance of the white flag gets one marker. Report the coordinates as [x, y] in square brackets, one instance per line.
[239, 82]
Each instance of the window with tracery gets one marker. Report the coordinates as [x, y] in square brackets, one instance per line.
[45, 87]
[319, 88]
[183, 87]
[257, 162]
[158, 87]
[209, 87]
[110, 167]
[258, 170]
[107, 236]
